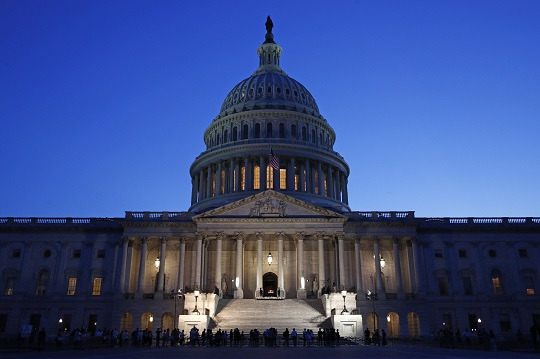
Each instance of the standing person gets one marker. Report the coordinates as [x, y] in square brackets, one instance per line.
[261, 293]
[286, 337]
[367, 339]
[304, 333]
[492, 342]
[158, 336]
[294, 336]
[384, 337]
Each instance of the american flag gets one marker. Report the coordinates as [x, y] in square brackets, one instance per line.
[273, 160]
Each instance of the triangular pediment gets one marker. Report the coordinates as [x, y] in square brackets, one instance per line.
[269, 204]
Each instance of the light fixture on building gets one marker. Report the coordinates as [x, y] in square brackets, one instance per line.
[388, 318]
[269, 258]
[381, 261]
[151, 318]
[196, 293]
[344, 295]
[60, 320]
[156, 262]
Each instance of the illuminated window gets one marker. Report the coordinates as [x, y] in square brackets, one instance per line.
[325, 185]
[243, 178]
[96, 286]
[10, 286]
[213, 184]
[496, 280]
[316, 181]
[256, 177]
[222, 190]
[296, 181]
[234, 180]
[72, 285]
[529, 285]
[269, 177]
[443, 286]
[282, 178]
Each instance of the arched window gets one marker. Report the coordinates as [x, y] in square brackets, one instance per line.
[293, 132]
[313, 136]
[413, 322]
[304, 133]
[42, 282]
[269, 130]
[245, 130]
[234, 134]
[257, 130]
[496, 280]
[225, 136]
[282, 130]
[393, 325]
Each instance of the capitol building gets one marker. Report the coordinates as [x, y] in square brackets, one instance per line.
[270, 240]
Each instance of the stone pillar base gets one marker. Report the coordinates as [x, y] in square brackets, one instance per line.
[301, 294]
[238, 294]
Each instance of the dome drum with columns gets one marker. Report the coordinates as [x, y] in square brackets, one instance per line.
[269, 111]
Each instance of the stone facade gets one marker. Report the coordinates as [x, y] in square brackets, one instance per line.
[246, 208]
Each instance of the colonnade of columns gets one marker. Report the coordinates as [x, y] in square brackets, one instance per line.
[201, 266]
[250, 173]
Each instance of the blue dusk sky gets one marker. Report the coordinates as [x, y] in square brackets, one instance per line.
[103, 104]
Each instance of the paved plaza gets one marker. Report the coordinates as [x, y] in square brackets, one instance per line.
[357, 351]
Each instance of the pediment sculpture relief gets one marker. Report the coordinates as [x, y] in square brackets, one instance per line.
[268, 208]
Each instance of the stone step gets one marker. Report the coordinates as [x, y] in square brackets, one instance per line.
[247, 314]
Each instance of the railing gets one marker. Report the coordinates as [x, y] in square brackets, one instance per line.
[165, 216]
[482, 220]
[67, 220]
[149, 296]
[129, 295]
[383, 215]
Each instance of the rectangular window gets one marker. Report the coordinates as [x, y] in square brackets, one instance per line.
[282, 178]
[16, 253]
[529, 285]
[523, 253]
[439, 253]
[269, 177]
[76, 253]
[447, 321]
[100, 253]
[443, 286]
[296, 181]
[504, 320]
[467, 286]
[462, 253]
[497, 286]
[72, 285]
[316, 182]
[92, 322]
[10, 286]
[222, 189]
[96, 286]
[257, 177]
[243, 178]
[66, 323]
[213, 184]
[325, 185]
[3, 322]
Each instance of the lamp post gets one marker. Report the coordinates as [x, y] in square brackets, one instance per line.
[60, 323]
[177, 294]
[196, 311]
[373, 297]
[344, 295]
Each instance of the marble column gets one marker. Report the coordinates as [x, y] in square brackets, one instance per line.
[198, 260]
[281, 282]
[125, 242]
[237, 175]
[329, 182]
[321, 178]
[276, 179]
[397, 264]
[239, 292]
[219, 246]
[358, 256]
[345, 192]
[341, 258]
[194, 188]
[308, 176]
[301, 179]
[290, 175]
[301, 279]
[231, 176]
[248, 183]
[161, 273]
[209, 181]
[181, 263]
[142, 265]
[259, 237]
[416, 261]
[378, 272]
[262, 166]
[322, 276]
[201, 185]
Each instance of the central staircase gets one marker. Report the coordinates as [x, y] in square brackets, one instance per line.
[247, 314]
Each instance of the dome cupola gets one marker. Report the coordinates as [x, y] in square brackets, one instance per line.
[269, 111]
